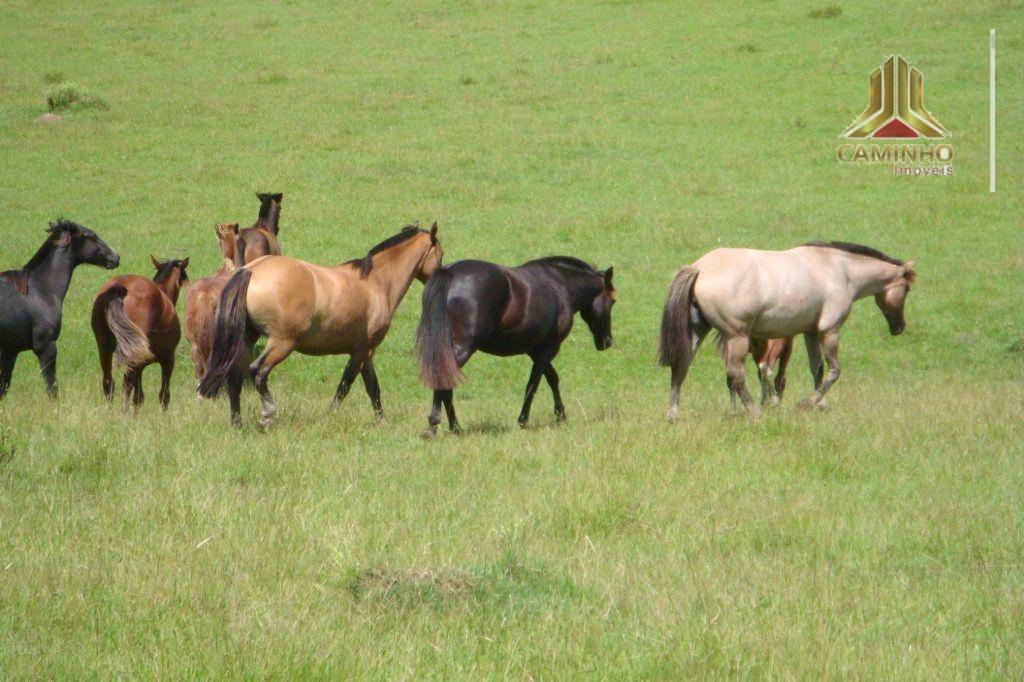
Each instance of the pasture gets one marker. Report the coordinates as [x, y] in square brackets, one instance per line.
[883, 539]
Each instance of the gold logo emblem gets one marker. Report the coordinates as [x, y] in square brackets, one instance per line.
[895, 105]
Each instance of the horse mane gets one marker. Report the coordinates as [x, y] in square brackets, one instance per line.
[19, 278]
[365, 264]
[566, 263]
[858, 249]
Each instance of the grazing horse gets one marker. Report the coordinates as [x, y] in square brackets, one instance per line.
[261, 239]
[746, 294]
[32, 298]
[314, 310]
[134, 321]
[526, 310]
[201, 299]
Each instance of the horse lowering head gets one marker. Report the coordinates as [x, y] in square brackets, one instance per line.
[432, 259]
[598, 313]
[82, 244]
[891, 299]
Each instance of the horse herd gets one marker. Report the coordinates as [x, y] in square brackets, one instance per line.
[757, 301]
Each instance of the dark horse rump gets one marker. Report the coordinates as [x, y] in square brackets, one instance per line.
[527, 310]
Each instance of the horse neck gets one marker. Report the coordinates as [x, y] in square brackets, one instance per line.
[581, 287]
[269, 216]
[393, 270]
[171, 288]
[52, 275]
[869, 276]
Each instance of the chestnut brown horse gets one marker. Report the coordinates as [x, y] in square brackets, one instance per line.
[766, 354]
[134, 321]
[201, 299]
[746, 294]
[315, 310]
[261, 239]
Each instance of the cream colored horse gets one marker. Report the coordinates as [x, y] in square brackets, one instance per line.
[314, 310]
[746, 294]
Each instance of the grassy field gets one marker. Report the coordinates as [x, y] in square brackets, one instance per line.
[884, 539]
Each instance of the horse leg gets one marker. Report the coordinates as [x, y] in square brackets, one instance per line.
[536, 372]
[353, 368]
[106, 367]
[449, 408]
[830, 348]
[274, 354]
[372, 387]
[47, 356]
[235, 380]
[780, 376]
[814, 363]
[736, 349]
[138, 397]
[131, 377]
[434, 418]
[166, 368]
[552, 377]
[7, 360]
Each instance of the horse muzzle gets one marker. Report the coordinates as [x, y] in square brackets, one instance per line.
[112, 262]
[896, 330]
[603, 344]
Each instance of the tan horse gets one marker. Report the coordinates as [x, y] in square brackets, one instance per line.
[746, 294]
[201, 299]
[134, 320]
[314, 310]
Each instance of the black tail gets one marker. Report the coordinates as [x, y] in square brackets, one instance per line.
[676, 343]
[229, 329]
[438, 366]
[132, 348]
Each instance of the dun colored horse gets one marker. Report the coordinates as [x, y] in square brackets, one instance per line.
[201, 299]
[32, 298]
[747, 295]
[314, 310]
[134, 321]
[526, 310]
[261, 239]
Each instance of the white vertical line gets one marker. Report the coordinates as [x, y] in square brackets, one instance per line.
[992, 110]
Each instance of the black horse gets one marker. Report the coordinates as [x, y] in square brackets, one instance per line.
[31, 299]
[527, 310]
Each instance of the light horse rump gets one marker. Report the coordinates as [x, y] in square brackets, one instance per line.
[314, 310]
[748, 295]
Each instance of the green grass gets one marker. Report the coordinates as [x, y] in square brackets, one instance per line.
[881, 540]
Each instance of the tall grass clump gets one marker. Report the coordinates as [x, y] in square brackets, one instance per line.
[69, 97]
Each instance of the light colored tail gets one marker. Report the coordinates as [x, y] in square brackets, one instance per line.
[132, 348]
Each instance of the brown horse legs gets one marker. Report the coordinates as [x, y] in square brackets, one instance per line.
[441, 397]
[47, 356]
[536, 372]
[356, 363]
[552, 376]
[132, 388]
[735, 358]
[372, 387]
[166, 369]
[275, 353]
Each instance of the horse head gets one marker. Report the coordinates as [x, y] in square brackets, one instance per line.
[892, 299]
[598, 313]
[82, 244]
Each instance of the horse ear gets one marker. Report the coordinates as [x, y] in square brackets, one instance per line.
[433, 231]
[184, 263]
[908, 271]
[608, 277]
[233, 227]
[156, 263]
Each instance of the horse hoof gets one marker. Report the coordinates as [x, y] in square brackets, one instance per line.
[428, 434]
[456, 430]
[672, 416]
[522, 424]
[378, 418]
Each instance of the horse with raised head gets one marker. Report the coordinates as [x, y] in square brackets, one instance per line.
[32, 298]
[314, 310]
[526, 310]
[261, 239]
[748, 295]
[201, 298]
[134, 320]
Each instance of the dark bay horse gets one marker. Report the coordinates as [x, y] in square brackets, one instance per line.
[134, 321]
[747, 294]
[32, 298]
[261, 238]
[473, 305]
[314, 310]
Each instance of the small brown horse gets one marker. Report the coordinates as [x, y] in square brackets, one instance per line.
[134, 321]
[261, 239]
[315, 310]
[201, 299]
[766, 353]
